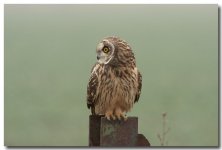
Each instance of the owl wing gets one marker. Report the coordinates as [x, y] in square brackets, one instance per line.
[139, 87]
[91, 89]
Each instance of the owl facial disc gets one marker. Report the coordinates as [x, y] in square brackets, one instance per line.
[105, 51]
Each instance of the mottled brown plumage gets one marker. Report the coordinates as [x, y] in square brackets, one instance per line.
[115, 83]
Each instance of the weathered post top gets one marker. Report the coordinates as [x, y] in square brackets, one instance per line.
[115, 133]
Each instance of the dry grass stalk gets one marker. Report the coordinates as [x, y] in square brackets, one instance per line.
[162, 136]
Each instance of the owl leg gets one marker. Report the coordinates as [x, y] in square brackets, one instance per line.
[120, 114]
[109, 115]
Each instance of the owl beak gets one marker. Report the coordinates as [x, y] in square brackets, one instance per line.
[98, 57]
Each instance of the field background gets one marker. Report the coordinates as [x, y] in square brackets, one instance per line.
[50, 49]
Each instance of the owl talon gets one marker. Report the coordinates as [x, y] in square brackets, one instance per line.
[108, 118]
[124, 117]
[109, 115]
[120, 114]
[113, 117]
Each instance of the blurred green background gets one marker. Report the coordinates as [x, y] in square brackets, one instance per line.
[50, 49]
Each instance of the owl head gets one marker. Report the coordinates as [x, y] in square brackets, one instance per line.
[115, 52]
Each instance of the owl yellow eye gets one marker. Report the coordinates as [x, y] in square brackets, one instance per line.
[105, 49]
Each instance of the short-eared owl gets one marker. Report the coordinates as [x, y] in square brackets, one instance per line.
[115, 82]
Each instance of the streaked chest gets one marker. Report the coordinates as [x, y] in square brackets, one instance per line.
[117, 79]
